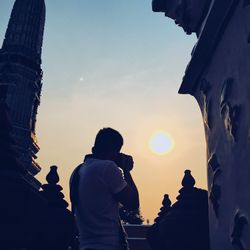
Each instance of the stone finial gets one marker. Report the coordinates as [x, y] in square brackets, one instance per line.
[153, 234]
[52, 191]
[53, 177]
[188, 181]
[189, 14]
[166, 201]
[166, 205]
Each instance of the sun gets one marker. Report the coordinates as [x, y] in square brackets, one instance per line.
[161, 143]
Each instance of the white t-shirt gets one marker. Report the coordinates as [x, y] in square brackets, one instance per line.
[97, 213]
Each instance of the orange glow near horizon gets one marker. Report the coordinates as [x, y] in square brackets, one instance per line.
[154, 175]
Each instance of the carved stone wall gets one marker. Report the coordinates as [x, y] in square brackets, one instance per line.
[218, 76]
[223, 93]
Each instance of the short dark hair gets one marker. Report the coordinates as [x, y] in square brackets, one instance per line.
[107, 139]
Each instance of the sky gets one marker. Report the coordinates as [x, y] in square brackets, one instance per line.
[115, 63]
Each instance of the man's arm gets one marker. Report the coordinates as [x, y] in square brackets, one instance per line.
[129, 196]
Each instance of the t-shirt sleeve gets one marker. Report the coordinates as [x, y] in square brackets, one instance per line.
[113, 178]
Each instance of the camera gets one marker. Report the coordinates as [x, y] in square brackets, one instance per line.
[125, 162]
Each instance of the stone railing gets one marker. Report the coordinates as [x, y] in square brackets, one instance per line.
[137, 236]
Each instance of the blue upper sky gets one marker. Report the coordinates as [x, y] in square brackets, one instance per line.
[82, 35]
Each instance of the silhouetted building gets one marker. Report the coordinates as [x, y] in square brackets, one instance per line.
[184, 225]
[21, 227]
[21, 77]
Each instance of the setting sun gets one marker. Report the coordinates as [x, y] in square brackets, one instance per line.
[161, 143]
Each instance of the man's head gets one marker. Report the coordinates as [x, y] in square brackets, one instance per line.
[108, 143]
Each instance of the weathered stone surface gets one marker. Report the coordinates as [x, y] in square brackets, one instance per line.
[189, 14]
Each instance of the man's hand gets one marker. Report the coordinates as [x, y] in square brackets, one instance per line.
[125, 162]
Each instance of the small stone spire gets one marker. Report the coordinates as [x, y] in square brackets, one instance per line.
[166, 205]
[185, 224]
[52, 178]
[188, 180]
[52, 191]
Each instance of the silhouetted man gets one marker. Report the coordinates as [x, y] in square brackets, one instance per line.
[97, 187]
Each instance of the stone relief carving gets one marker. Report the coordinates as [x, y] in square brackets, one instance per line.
[246, 3]
[206, 102]
[240, 221]
[226, 92]
[215, 189]
[231, 119]
[188, 14]
[230, 113]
